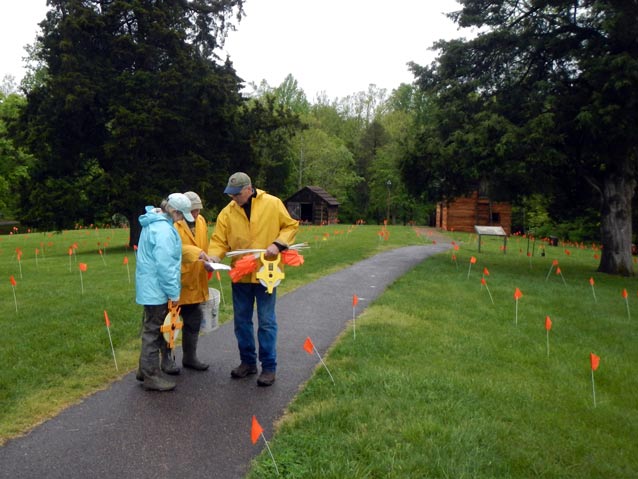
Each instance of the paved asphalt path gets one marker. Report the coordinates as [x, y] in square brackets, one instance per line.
[202, 428]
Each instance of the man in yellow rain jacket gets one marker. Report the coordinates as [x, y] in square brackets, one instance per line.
[253, 220]
[194, 236]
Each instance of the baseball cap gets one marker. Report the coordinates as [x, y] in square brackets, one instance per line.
[196, 201]
[236, 183]
[181, 203]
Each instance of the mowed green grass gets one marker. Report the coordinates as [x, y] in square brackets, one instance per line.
[56, 349]
[441, 383]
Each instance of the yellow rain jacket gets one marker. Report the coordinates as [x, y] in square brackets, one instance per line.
[269, 222]
[194, 276]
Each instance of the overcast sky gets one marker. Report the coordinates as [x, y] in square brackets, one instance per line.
[335, 46]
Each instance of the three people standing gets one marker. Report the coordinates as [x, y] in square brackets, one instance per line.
[170, 266]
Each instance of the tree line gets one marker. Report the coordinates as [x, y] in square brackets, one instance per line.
[127, 100]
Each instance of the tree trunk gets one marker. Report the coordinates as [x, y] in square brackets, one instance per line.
[135, 229]
[617, 193]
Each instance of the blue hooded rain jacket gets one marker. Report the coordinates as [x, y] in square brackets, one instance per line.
[159, 260]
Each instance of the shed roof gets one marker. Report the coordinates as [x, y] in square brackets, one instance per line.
[320, 192]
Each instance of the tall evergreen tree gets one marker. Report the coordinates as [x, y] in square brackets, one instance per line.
[135, 104]
[547, 90]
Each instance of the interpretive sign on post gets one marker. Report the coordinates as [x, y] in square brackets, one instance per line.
[491, 231]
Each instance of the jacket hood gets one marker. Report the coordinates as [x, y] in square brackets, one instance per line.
[151, 216]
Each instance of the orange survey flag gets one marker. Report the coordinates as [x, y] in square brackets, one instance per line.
[555, 262]
[624, 293]
[13, 281]
[125, 261]
[558, 271]
[518, 294]
[219, 278]
[594, 361]
[255, 431]
[472, 260]
[291, 257]
[548, 323]
[242, 267]
[106, 319]
[591, 281]
[355, 300]
[308, 346]
[486, 272]
[82, 267]
[483, 282]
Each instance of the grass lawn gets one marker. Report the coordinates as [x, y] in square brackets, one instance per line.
[56, 348]
[440, 381]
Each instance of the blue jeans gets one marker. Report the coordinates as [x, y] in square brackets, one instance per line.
[244, 297]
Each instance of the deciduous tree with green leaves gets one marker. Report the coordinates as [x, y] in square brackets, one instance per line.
[15, 163]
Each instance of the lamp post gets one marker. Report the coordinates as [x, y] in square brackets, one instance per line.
[387, 205]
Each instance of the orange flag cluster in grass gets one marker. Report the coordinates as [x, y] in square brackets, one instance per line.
[518, 294]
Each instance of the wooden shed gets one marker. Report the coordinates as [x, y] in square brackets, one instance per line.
[314, 205]
[463, 213]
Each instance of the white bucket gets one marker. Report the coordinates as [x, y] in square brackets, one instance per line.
[210, 312]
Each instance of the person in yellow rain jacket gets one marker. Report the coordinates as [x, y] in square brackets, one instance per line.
[194, 236]
[253, 220]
